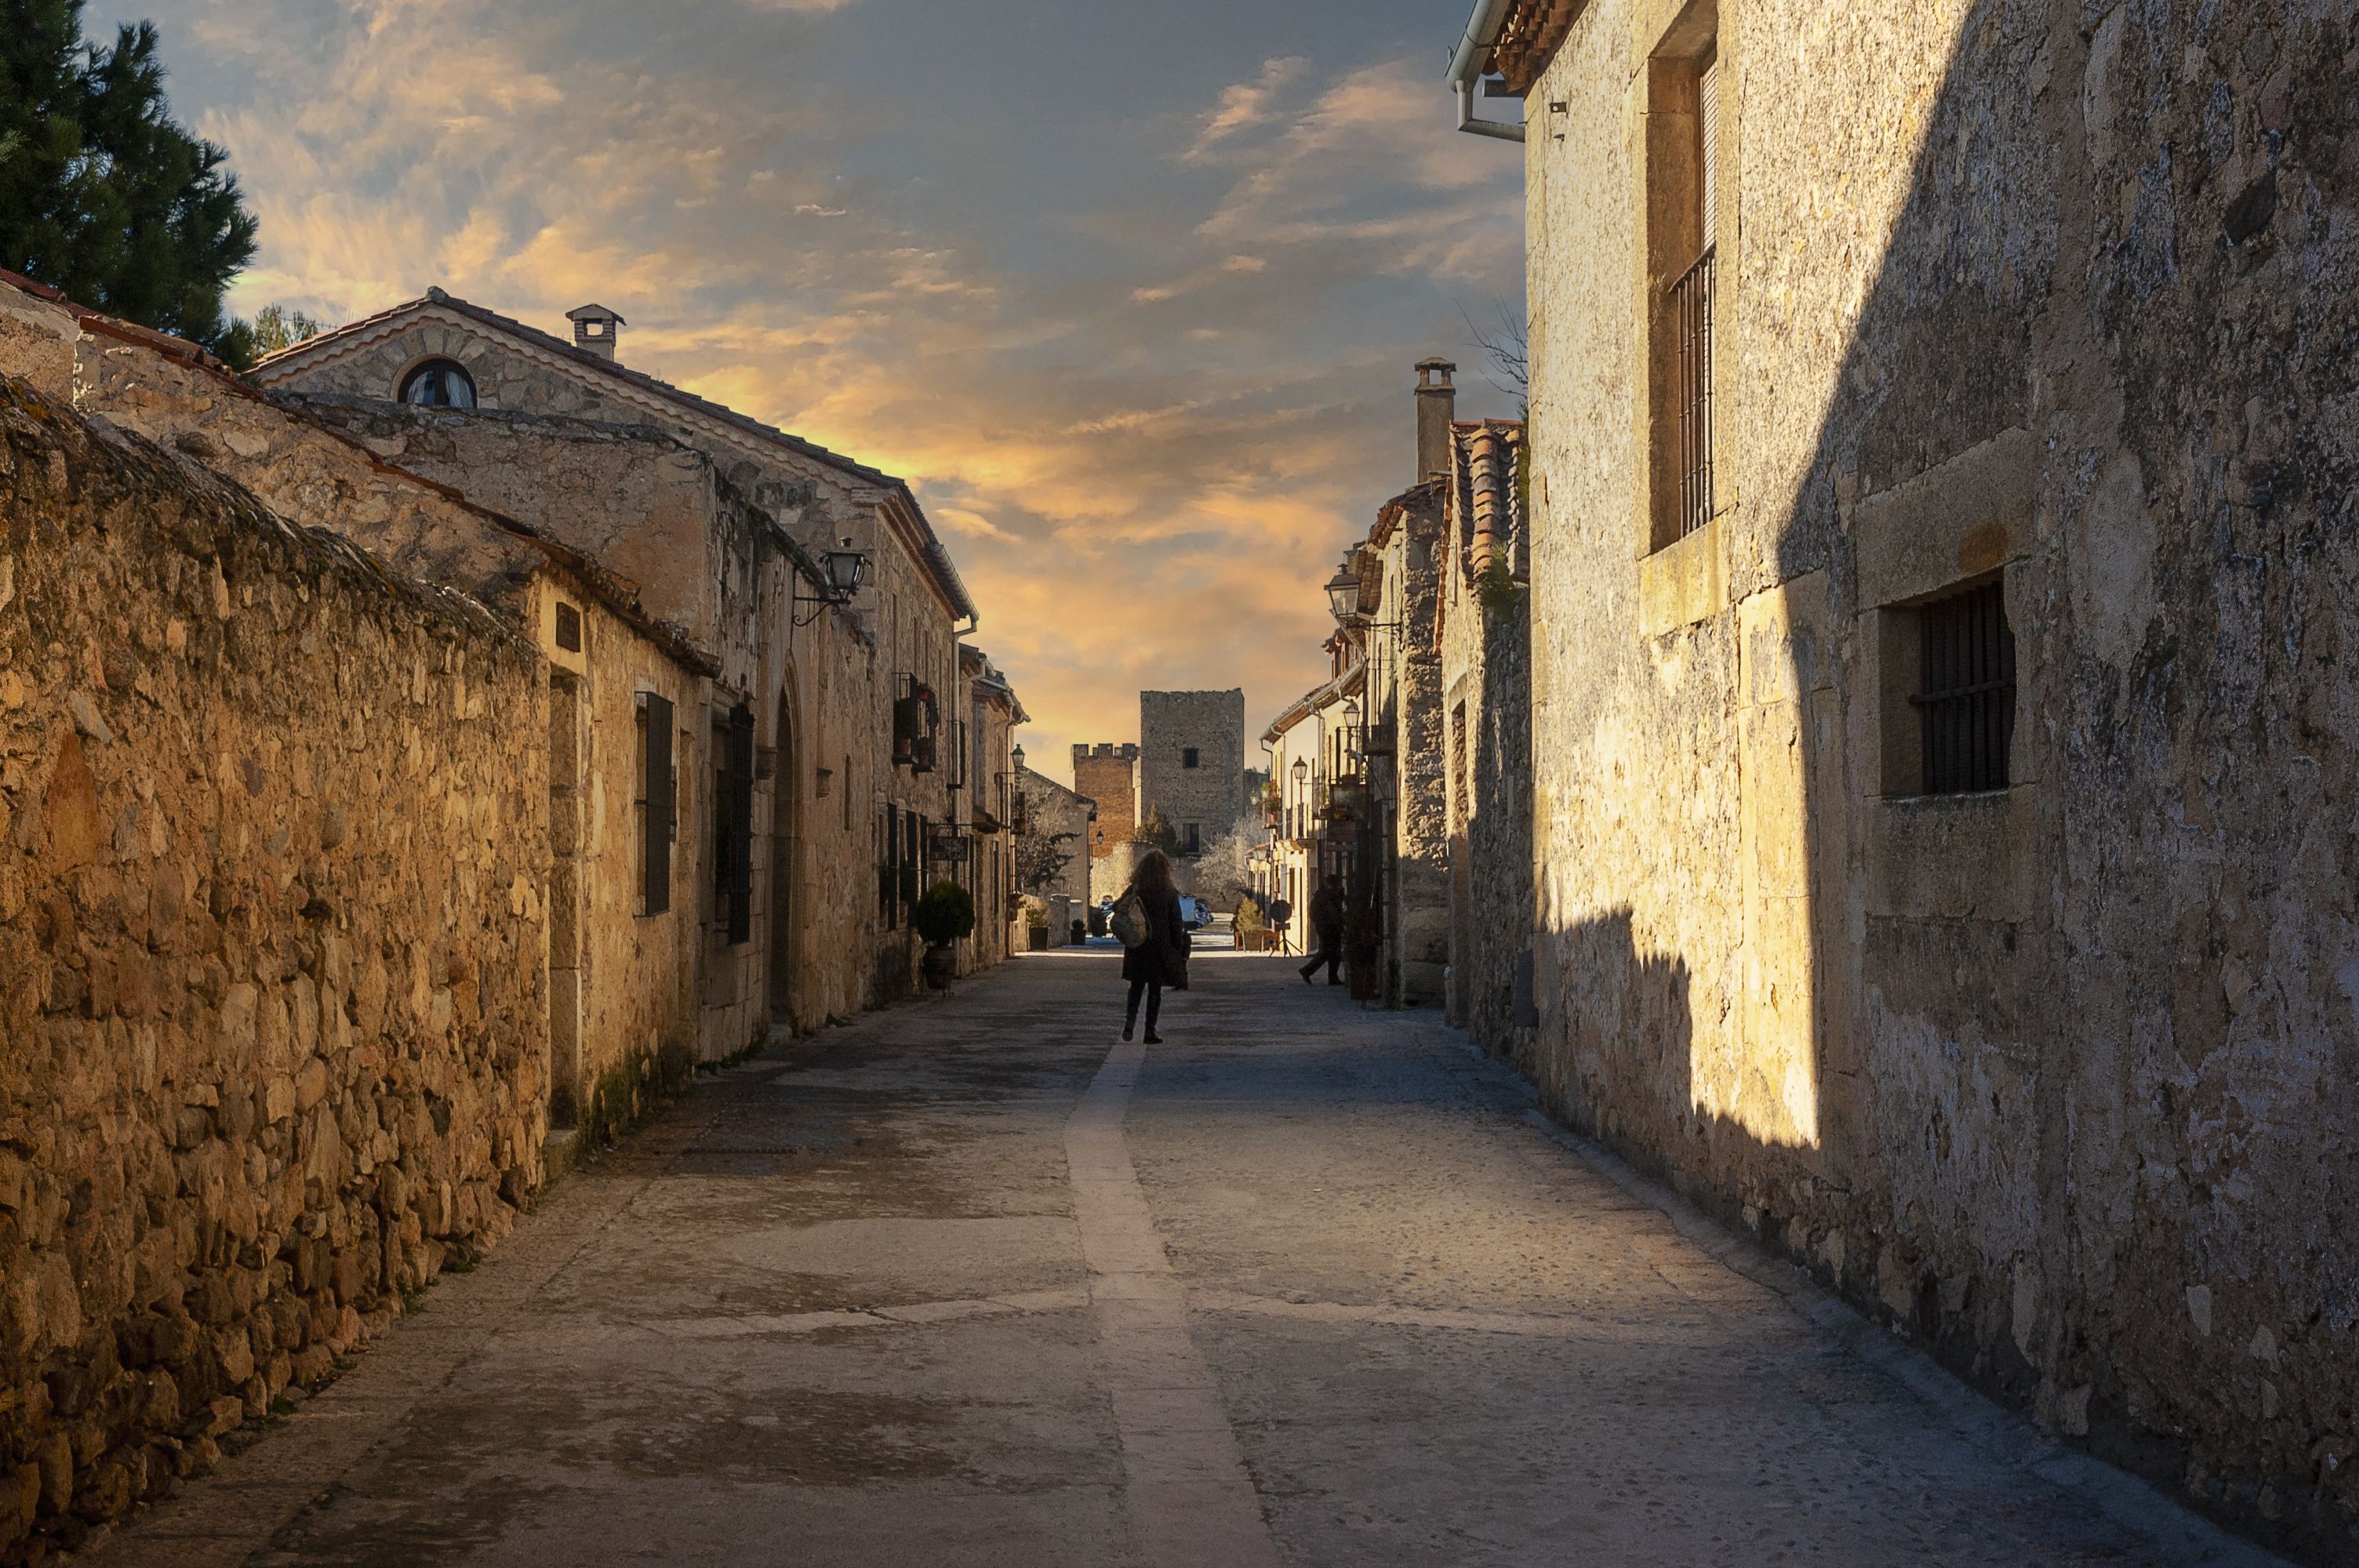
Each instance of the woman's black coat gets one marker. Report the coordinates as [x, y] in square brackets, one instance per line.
[1163, 957]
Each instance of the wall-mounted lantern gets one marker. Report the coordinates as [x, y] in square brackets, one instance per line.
[1343, 593]
[846, 570]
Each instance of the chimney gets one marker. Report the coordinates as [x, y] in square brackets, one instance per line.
[594, 328]
[1437, 405]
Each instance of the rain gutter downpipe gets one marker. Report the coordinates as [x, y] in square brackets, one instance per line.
[1467, 64]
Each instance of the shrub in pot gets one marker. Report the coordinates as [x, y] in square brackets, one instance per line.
[943, 916]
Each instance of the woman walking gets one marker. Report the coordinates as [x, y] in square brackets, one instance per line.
[1160, 958]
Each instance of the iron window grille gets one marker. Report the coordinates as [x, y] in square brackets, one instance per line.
[1965, 697]
[1691, 306]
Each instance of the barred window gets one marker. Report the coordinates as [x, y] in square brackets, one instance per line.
[1965, 694]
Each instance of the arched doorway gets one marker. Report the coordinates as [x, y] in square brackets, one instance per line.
[786, 833]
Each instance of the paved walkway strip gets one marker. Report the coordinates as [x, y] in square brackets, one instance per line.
[1189, 1500]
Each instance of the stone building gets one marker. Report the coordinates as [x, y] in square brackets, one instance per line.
[1485, 742]
[626, 995]
[358, 834]
[1372, 801]
[1310, 753]
[1942, 473]
[985, 840]
[1108, 774]
[875, 749]
[1191, 763]
[1397, 739]
[272, 930]
[1049, 813]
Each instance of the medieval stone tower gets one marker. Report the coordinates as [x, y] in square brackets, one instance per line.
[1109, 775]
[1191, 762]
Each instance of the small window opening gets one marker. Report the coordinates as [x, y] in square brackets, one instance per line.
[1965, 693]
[438, 383]
[569, 628]
[1187, 757]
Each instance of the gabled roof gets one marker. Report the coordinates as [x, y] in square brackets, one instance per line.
[936, 557]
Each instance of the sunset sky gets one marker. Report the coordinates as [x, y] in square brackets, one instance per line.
[1127, 290]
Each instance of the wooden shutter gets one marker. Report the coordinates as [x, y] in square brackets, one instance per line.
[1708, 128]
[655, 821]
[740, 807]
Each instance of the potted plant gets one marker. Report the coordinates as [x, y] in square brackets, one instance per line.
[946, 915]
[1036, 926]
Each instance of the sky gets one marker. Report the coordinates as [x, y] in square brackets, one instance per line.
[1128, 290]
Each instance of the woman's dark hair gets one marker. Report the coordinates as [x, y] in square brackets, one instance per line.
[1154, 874]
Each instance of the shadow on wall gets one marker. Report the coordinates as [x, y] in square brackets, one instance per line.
[2060, 1074]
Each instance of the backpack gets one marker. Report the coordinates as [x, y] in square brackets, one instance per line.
[1129, 921]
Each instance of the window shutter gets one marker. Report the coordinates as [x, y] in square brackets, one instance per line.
[740, 807]
[1708, 122]
[655, 822]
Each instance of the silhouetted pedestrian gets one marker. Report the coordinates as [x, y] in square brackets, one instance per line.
[1150, 911]
[1327, 928]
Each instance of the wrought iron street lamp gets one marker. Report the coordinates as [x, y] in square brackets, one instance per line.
[844, 570]
[1343, 593]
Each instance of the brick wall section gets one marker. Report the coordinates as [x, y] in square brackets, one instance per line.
[273, 1019]
[2056, 1077]
[1109, 775]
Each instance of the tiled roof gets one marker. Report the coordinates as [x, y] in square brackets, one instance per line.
[1529, 38]
[1485, 501]
[938, 555]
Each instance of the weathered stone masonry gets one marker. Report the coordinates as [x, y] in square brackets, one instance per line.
[2054, 297]
[270, 955]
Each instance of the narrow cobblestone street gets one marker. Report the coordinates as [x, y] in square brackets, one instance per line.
[1305, 1285]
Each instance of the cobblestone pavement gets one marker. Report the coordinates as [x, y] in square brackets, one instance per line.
[968, 1283]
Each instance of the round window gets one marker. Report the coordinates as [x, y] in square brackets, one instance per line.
[438, 383]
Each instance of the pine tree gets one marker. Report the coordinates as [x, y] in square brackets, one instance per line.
[102, 195]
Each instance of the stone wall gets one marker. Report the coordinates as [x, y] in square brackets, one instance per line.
[2057, 1075]
[271, 929]
[1405, 755]
[899, 626]
[1052, 811]
[1485, 742]
[626, 1004]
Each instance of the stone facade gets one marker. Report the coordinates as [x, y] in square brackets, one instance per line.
[1401, 747]
[883, 738]
[2053, 1074]
[1309, 749]
[342, 862]
[271, 925]
[1053, 813]
[1485, 739]
[624, 987]
[989, 789]
[1191, 763]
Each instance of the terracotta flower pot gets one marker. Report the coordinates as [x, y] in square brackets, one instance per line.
[941, 964]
